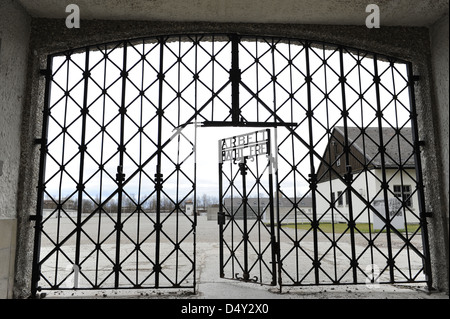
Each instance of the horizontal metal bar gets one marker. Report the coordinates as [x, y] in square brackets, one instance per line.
[245, 124]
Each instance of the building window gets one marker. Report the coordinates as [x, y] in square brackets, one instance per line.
[362, 192]
[403, 193]
[340, 200]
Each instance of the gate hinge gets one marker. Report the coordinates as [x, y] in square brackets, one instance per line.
[35, 218]
[415, 78]
[45, 72]
[348, 176]
[120, 176]
[418, 145]
[276, 247]
[312, 181]
[40, 141]
[427, 214]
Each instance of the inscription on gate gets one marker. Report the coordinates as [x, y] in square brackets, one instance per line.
[247, 243]
[245, 146]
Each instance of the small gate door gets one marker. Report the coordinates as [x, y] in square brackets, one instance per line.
[246, 211]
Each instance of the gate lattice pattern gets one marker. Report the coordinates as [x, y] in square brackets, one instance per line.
[118, 159]
[247, 245]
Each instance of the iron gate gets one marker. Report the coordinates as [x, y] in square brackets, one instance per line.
[246, 208]
[118, 160]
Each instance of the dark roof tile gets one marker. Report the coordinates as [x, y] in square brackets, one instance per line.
[398, 147]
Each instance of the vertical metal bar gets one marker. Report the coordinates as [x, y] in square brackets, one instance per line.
[257, 185]
[141, 130]
[397, 135]
[195, 205]
[366, 177]
[419, 177]
[273, 241]
[233, 219]
[257, 77]
[313, 177]
[102, 147]
[279, 262]
[35, 273]
[82, 153]
[177, 160]
[348, 176]
[272, 231]
[332, 197]
[243, 172]
[235, 77]
[221, 214]
[158, 175]
[330, 160]
[274, 78]
[63, 153]
[294, 175]
[119, 175]
[213, 63]
[195, 158]
[384, 184]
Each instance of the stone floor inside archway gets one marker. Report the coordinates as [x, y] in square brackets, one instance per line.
[210, 286]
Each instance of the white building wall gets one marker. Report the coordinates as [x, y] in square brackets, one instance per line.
[369, 188]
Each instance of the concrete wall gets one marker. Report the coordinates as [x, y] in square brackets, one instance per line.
[439, 34]
[49, 36]
[14, 38]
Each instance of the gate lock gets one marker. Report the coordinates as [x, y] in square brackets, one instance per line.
[220, 218]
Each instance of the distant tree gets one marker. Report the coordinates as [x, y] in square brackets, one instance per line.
[88, 206]
[111, 206]
[205, 200]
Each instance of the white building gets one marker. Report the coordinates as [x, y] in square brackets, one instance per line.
[189, 207]
[364, 157]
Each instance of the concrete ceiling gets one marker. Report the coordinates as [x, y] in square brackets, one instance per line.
[338, 12]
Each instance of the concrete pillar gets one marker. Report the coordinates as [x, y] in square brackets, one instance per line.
[8, 231]
[440, 222]
[14, 42]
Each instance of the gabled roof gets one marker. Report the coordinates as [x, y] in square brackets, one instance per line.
[365, 148]
[399, 147]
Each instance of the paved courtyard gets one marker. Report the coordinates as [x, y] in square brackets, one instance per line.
[208, 282]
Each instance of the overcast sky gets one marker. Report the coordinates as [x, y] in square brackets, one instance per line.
[65, 110]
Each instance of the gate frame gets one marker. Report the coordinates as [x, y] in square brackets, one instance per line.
[417, 143]
[221, 215]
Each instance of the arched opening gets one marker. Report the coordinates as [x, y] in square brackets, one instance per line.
[119, 162]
